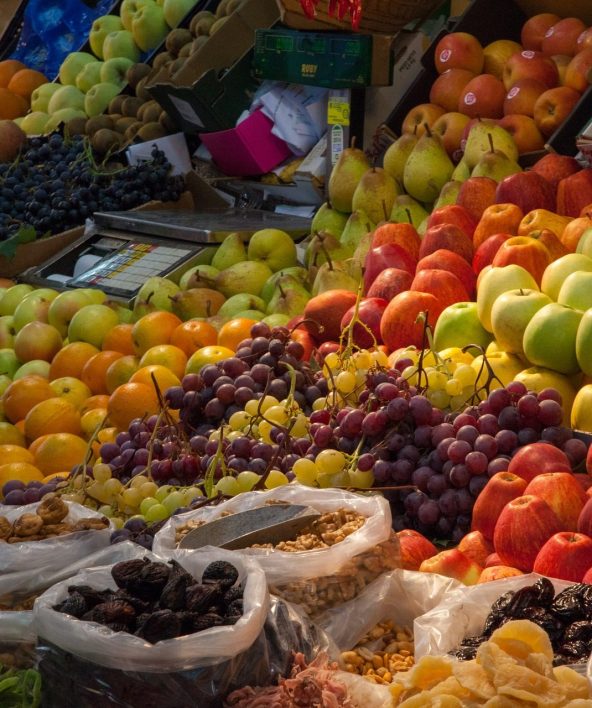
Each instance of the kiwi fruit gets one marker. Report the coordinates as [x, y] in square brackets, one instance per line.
[185, 50]
[197, 18]
[116, 103]
[221, 9]
[176, 38]
[167, 123]
[105, 140]
[97, 123]
[217, 24]
[137, 72]
[176, 65]
[141, 90]
[199, 42]
[204, 26]
[131, 105]
[151, 131]
[123, 123]
[149, 112]
[161, 59]
[131, 130]
[76, 126]
[232, 5]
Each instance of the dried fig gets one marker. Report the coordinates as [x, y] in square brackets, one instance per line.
[222, 572]
[28, 525]
[200, 598]
[52, 510]
[5, 528]
[90, 524]
[114, 611]
[74, 605]
[160, 625]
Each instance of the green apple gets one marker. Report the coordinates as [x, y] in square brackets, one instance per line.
[100, 28]
[89, 75]
[459, 326]
[62, 116]
[499, 280]
[128, 10]
[505, 367]
[39, 367]
[175, 10]
[96, 295]
[5, 382]
[251, 314]
[238, 303]
[64, 307]
[200, 276]
[12, 297]
[9, 363]
[34, 123]
[121, 44]
[511, 313]
[550, 338]
[273, 247]
[585, 243]
[576, 290]
[41, 95]
[66, 97]
[158, 293]
[149, 27]
[7, 331]
[72, 66]
[91, 323]
[113, 71]
[33, 307]
[99, 97]
[557, 271]
[246, 277]
[584, 343]
[276, 320]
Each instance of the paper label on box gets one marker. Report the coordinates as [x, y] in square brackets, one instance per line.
[338, 111]
[186, 111]
[173, 146]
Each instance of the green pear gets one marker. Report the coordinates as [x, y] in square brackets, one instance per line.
[407, 210]
[246, 277]
[345, 275]
[375, 194]
[298, 272]
[324, 246]
[200, 276]
[358, 224]
[251, 314]
[328, 219]
[462, 172]
[240, 303]
[344, 178]
[289, 298]
[149, 28]
[276, 320]
[495, 164]
[362, 249]
[191, 303]
[448, 194]
[232, 250]
[427, 169]
[423, 227]
[478, 143]
[396, 155]
[157, 293]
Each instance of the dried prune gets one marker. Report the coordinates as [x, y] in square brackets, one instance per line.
[91, 596]
[199, 598]
[126, 573]
[207, 621]
[160, 625]
[545, 591]
[115, 611]
[574, 603]
[235, 609]
[140, 606]
[576, 650]
[502, 602]
[117, 626]
[579, 631]
[523, 598]
[188, 620]
[235, 593]
[222, 571]
[173, 593]
[74, 605]
[178, 570]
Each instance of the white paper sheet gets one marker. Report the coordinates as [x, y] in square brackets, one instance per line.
[173, 146]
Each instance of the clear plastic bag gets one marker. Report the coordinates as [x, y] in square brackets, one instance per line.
[316, 579]
[17, 640]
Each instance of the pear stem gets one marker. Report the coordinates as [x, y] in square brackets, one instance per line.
[490, 138]
[427, 130]
[408, 212]
[209, 308]
[384, 211]
[353, 142]
[282, 291]
[325, 251]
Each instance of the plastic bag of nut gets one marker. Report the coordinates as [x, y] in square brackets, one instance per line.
[351, 545]
[17, 640]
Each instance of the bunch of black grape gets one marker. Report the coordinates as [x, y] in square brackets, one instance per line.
[55, 185]
[16, 493]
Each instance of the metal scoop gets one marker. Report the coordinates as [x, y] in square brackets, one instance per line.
[266, 524]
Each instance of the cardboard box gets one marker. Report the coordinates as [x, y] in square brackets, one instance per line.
[10, 11]
[329, 59]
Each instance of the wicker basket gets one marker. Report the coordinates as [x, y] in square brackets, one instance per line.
[379, 16]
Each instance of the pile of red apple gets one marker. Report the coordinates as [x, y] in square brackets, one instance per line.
[529, 88]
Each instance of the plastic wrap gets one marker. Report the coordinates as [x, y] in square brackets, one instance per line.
[316, 579]
[400, 596]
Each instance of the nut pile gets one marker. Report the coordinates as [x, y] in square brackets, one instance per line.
[385, 650]
[159, 601]
[48, 521]
[7, 604]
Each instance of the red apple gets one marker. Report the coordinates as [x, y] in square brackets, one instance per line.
[535, 28]
[417, 118]
[524, 526]
[528, 190]
[573, 231]
[526, 252]
[326, 348]
[538, 458]
[370, 313]
[551, 242]
[524, 130]
[301, 335]
[476, 194]
[389, 283]
[563, 493]
[553, 106]
[444, 259]
[497, 572]
[561, 62]
[584, 524]
[485, 254]
[492, 560]
[554, 167]
[415, 548]
[324, 313]
[453, 214]
[578, 70]
[448, 236]
[501, 489]
[562, 37]
[476, 547]
[483, 96]
[498, 219]
[522, 96]
[530, 65]
[459, 50]
[584, 41]
[390, 255]
[584, 480]
[450, 127]
[401, 325]
[496, 54]
[403, 235]
[453, 564]
[574, 193]
[448, 87]
[566, 555]
[589, 461]
[442, 284]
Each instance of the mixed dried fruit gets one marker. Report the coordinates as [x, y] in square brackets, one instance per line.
[158, 601]
[565, 617]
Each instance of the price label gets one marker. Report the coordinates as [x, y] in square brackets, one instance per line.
[338, 111]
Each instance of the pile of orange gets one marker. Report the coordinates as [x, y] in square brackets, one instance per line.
[17, 83]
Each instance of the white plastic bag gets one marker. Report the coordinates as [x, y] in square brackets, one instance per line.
[400, 596]
[56, 552]
[126, 652]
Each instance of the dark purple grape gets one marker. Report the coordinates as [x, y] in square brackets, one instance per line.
[527, 436]
[429, 512]
[516, 389]
[448, 503]
[192, 382]
[209, 374]
[198, 444]
[214, 409]
[550, 413]
[278, 388]
[141, 457]
[421, 476]
[397, 409]
[15, 498]
[258, 465]
[459, 476]
[262, 450]
[295, 349]
[382, 471]
[422, 437]
[120, 535]
[468, 434]
[442, 448]
[464, 419]
[477, 484]
[458, 450]
[233, 366]
[135, 525]
[260, 373]
[436, 485]
[261, 329]
[31, 495]
[465, 501]
[550, 394]
[401, 471]
[487, 445]
[528, 406]
[420, 409]
[225, 394]
[241, 447]
[488, 424]
[444, 527]
[109, 451]
[174, 397]
[386, 391]
[498, 464]
[409, 452]
[507, 441]
[366, 462]
[12, 484]
[575, 450]
[413, 501]
[441, 432]
[476, 463]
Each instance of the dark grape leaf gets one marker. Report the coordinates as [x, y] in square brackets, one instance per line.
[25, 234]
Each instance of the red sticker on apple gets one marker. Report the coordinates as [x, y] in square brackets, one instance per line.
[514, 91]
[470, 98]
[528, 54]
[445, 55]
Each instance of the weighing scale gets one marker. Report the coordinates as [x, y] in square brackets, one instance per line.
[124, 249]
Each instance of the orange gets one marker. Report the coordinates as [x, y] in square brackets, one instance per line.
[166, 355]
[11, 435]
[23, 394]
[15, 453]
[25, 81]
[55, 415]
[207, 355]
[193, 335]
[120, 371]
[119, 339]
[71, 389]
[24, 471]
[152, 329]
[234, 331]
[60, 451]
[11, 105]
[164, 378]
[63, 474]
[8, 68]
[91, 420]
[70, 360]
[107, 434]
[94, 371]
[6, 283]
[93, 402]
[34, 446]
[129, 401]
